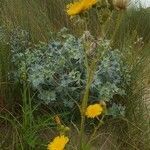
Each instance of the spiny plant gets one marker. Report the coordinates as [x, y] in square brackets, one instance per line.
[56, 71]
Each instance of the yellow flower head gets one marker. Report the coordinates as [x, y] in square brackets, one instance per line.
[89, 3]
[58, 143]
[93, 111]
[74, 8]
[80, 6]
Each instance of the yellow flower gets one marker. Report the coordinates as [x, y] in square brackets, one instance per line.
[93, 111]
[58, 143]
[80, 6]
[74, 8]
[89, 3]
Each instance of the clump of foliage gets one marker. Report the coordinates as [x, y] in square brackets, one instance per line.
[53, 69]
[111, 76]
[56, 70]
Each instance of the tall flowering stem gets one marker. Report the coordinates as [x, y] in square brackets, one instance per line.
[90, 74]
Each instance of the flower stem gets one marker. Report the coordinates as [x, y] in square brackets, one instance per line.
[90, 75]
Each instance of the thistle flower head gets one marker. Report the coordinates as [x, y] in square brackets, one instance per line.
[94, 110]
[58, 143]
[79, 6]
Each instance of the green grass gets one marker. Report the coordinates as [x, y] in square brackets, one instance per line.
[138, 104]
[4, 68]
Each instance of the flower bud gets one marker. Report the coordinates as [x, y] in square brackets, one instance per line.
[57, 120]
[120, 4]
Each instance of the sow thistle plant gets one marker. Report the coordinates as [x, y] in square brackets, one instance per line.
[91, 59]
[60, 142]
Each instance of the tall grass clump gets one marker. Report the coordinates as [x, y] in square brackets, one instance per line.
[38, 17]
[4, 68]
[138, 105]
[133, 40]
